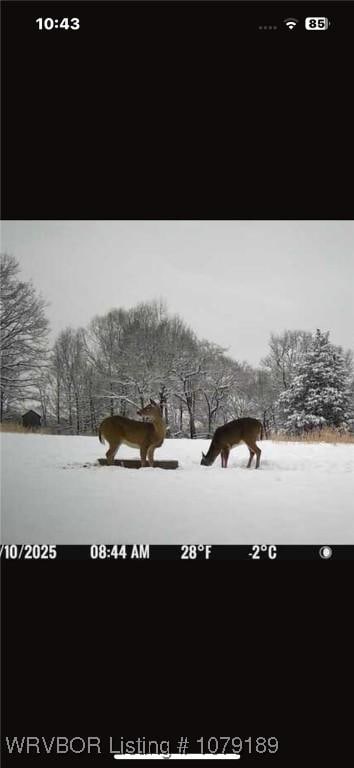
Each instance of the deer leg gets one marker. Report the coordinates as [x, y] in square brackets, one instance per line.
[254, 449]
[251, 457]
[150, 455]
[258, 452]
[143, 452]
[112, 450]
[224, 457]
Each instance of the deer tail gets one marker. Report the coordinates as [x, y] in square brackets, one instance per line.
[262, 432]
[100, 436]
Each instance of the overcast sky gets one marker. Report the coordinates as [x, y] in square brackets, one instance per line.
[233, 282]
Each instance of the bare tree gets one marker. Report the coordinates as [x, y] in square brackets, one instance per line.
[217, 382]
[187, 376]
[285, 353]
[104, 346]
[23, 334]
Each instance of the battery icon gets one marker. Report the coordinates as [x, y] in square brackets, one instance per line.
[316, 22]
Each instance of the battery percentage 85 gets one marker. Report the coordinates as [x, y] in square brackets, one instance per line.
[316, 23]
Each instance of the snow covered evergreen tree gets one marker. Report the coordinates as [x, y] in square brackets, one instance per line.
[319, 393]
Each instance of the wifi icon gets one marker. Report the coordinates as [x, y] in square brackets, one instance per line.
[291, 23]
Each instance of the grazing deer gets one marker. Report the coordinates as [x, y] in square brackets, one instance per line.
[137, 434]
[245, 430]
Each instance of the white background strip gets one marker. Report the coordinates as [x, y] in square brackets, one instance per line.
[176, 757]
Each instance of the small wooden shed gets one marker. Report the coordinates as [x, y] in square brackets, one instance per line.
[31, 419]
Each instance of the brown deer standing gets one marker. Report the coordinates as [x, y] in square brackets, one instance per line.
[137, 434]
[246, 430]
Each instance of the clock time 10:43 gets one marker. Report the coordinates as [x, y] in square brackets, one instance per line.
[49, 23]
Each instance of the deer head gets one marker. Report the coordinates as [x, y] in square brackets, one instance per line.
[205, 462]
[151, 410]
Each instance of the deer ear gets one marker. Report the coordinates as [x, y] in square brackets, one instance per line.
[152, 401]
[203, 454]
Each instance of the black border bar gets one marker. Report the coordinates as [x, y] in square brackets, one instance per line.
[296, 747]
[99, 553]
[110, 123]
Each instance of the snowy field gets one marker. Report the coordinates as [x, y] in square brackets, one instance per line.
[53, 491]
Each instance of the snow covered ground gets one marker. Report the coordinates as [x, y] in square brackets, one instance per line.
[53, 491]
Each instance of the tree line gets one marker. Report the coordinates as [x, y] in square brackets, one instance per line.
[126, 356]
